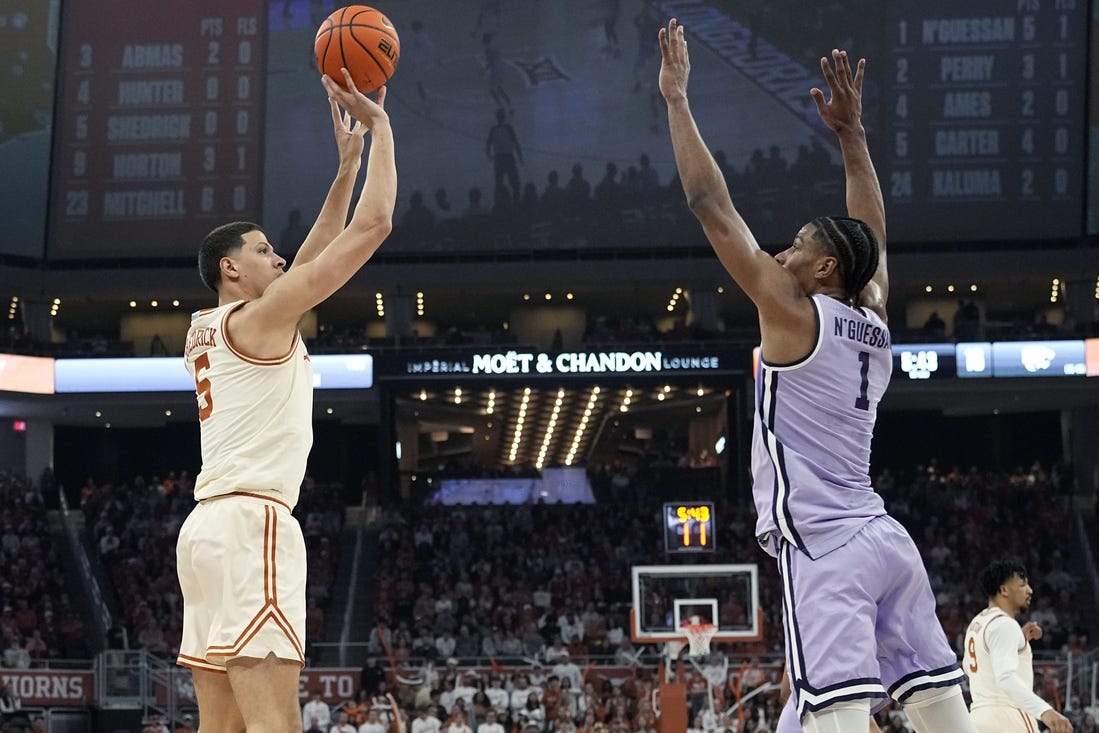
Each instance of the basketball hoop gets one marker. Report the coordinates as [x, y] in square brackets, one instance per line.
[698, 634]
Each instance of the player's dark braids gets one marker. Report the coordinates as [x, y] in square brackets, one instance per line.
[855, 247]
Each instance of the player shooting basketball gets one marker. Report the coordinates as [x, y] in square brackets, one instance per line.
[858, 610]
[241, 554]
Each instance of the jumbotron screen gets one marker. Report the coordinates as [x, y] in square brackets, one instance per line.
[176, 116]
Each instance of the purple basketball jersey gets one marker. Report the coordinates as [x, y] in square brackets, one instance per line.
[814, 423]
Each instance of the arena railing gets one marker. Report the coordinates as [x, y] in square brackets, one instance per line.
[99, 612]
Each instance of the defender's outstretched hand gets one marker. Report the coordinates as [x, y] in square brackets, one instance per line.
[360, 106]
[843, 110]
[675, 62]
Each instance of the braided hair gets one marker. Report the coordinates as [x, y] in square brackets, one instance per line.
[855, 248]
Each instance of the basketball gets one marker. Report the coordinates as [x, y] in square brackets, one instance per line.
[362, 40]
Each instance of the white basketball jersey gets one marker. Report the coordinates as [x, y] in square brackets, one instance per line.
[255, 415]
[978, 660]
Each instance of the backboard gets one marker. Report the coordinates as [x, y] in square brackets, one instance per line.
[666, 596]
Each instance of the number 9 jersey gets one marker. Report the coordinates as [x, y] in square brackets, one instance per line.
[255, 415]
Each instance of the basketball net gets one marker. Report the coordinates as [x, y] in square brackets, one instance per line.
[698, 635]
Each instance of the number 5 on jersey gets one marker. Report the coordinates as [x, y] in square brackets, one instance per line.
[202, 387]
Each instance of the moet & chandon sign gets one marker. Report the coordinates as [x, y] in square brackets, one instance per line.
[575, 362]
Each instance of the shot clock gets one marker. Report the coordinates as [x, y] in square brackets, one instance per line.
[688, 527]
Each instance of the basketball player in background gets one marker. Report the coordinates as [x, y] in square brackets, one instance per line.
[858, 610]
[998, 659]
[240, 554]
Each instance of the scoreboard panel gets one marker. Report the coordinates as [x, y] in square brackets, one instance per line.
[984, 121]
[171, 114]
[159, 125]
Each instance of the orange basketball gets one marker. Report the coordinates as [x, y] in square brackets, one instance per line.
[362, 40]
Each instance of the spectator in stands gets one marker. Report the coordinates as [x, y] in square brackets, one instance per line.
[532, 711]
[934, 326]
[498, 697]
[466, 687]
[457, 723]
[372, 724]
[381, 637]
[570, 626]
[445, 645]
[466, 645]
[15, 656]
[357, 708]
[557, 652]
[108, 544]
[11, 708]
[155, 724]
[343, 724]
[315, 712]
[425, 722]
[967, 321]
[491, 724]
[568, 672]
[371, 675]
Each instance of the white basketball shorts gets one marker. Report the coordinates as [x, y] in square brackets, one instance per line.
[241, 565]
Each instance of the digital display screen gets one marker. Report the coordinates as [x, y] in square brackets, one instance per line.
[168, 374]
[28, 65]
[975, 114]
[160, 118]
[1038, 359]
[174, 117]
[974, 359]
[688, 527]
[31, 374]
[1023, 359]
[984, 118]
[924, 361]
